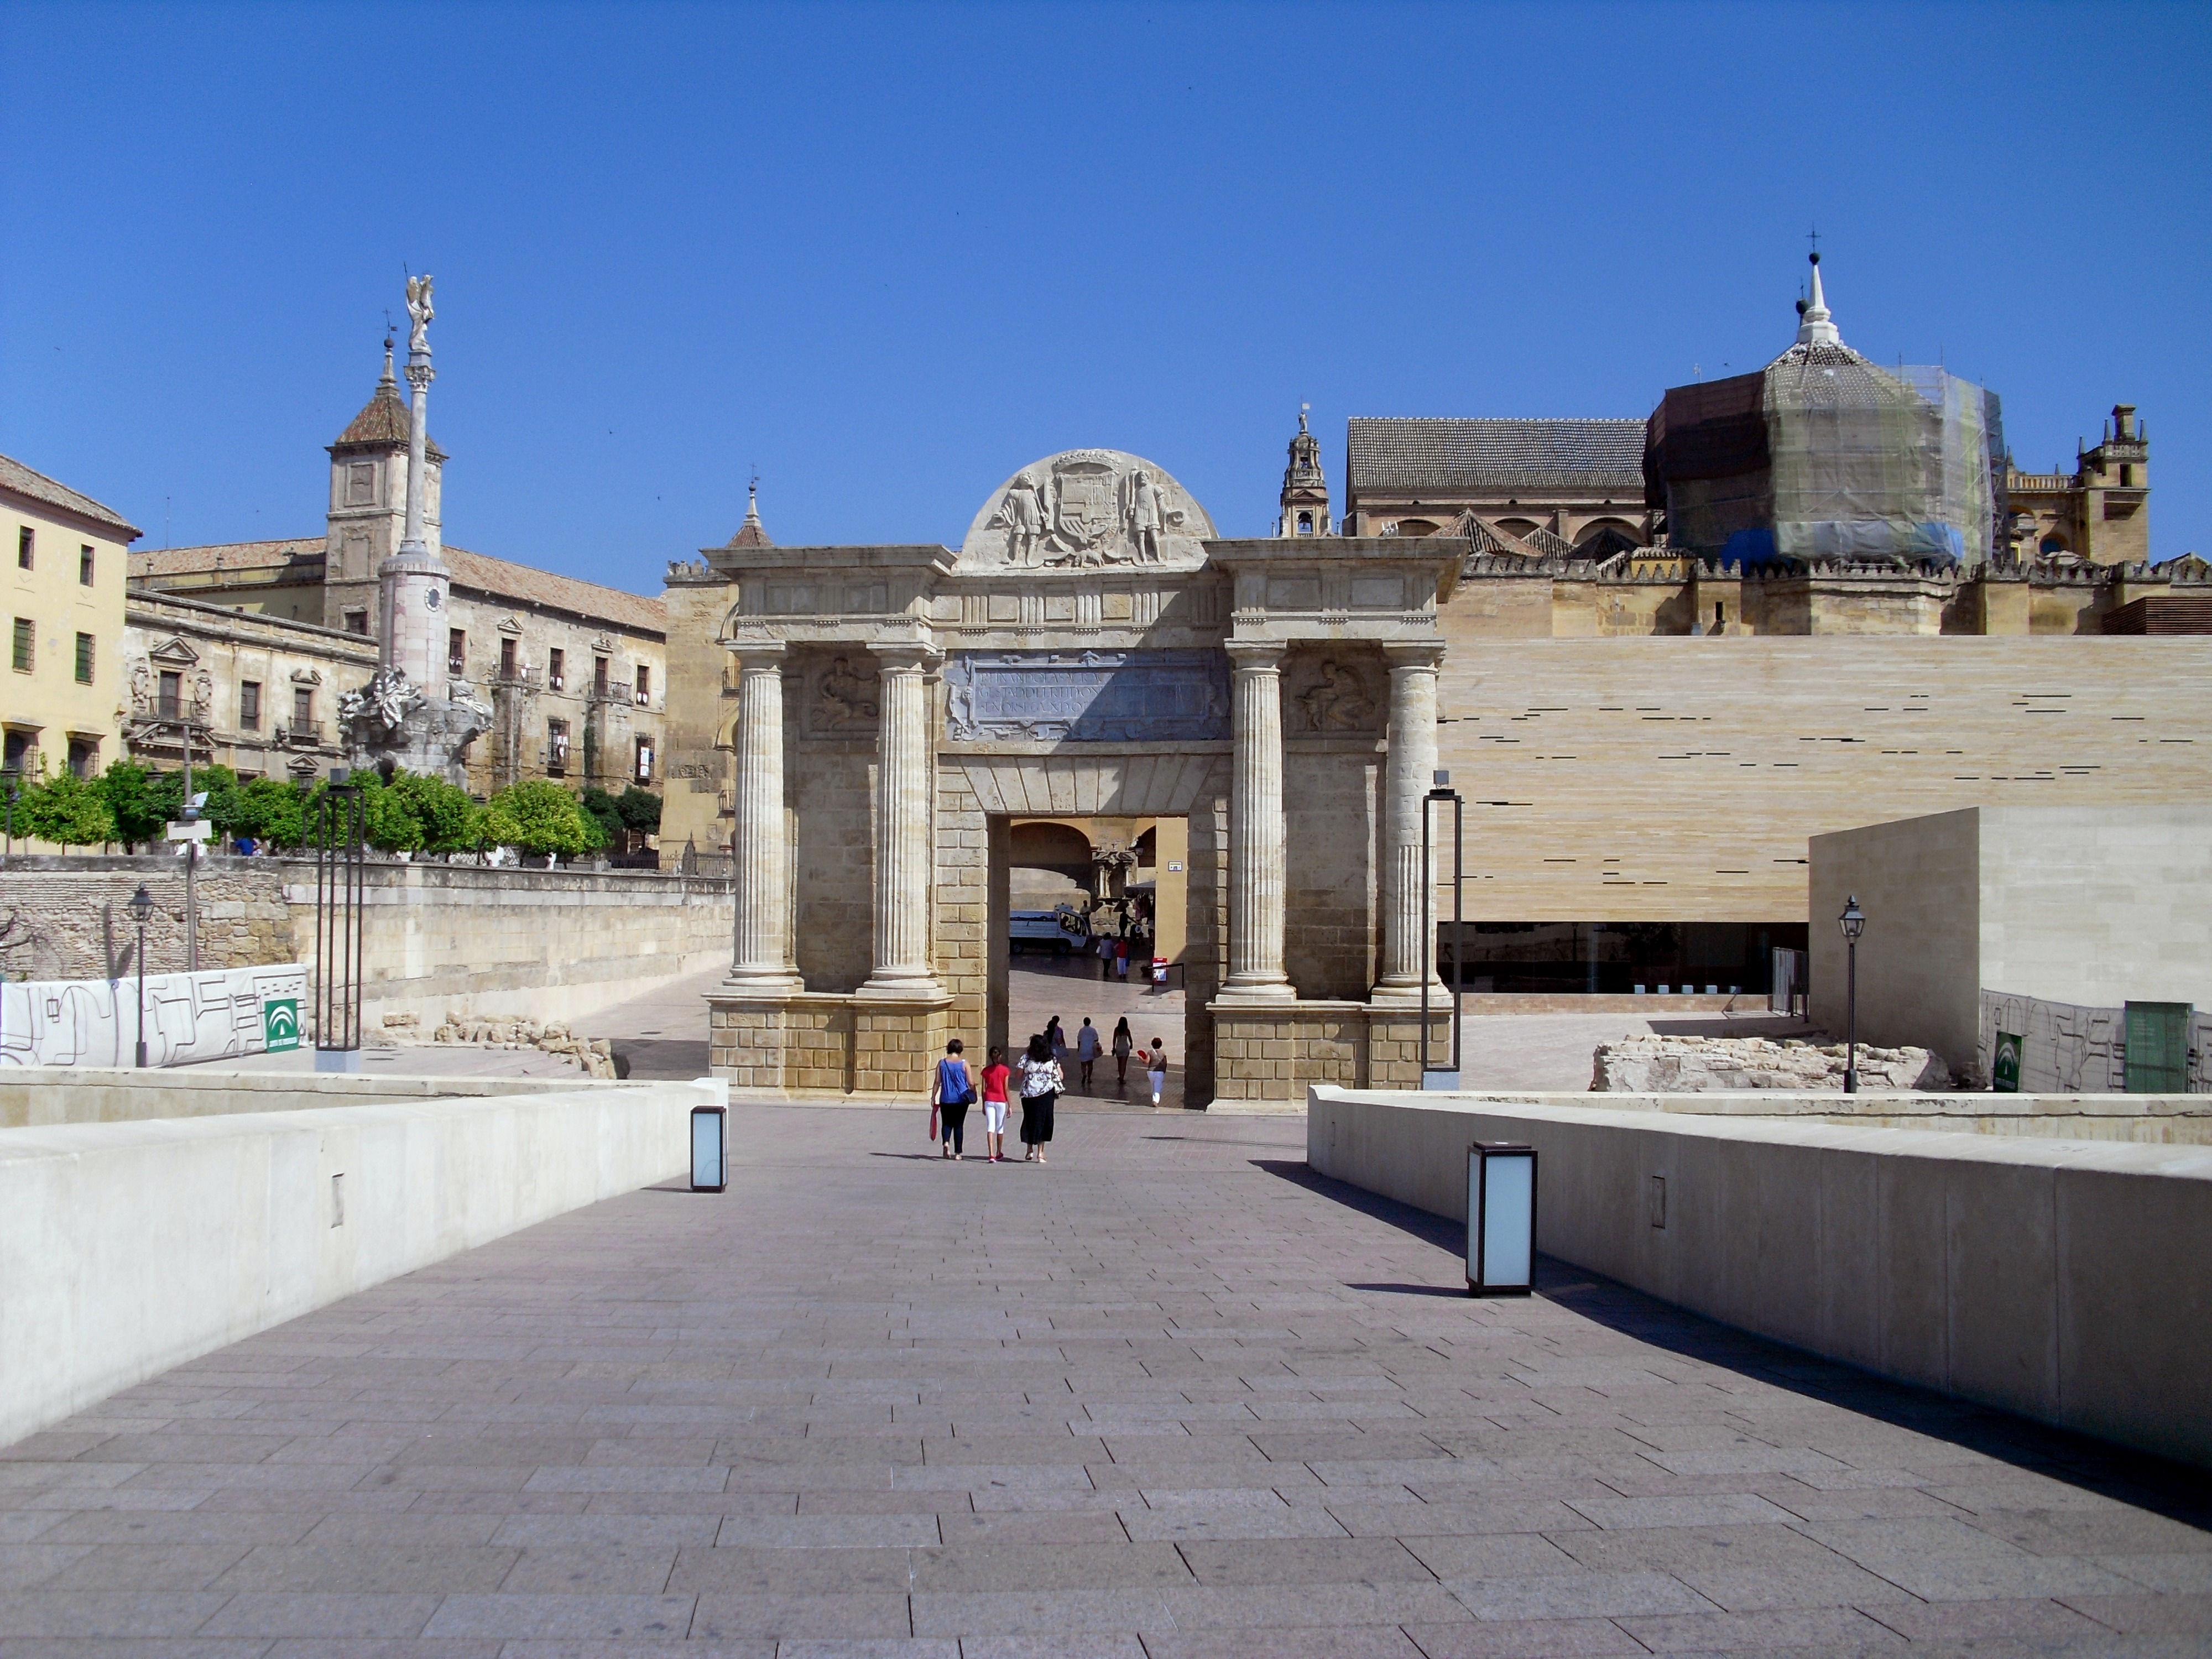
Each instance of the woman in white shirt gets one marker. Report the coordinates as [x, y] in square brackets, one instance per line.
[1042, 1082]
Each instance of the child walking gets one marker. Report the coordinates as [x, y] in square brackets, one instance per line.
[995, 1073]
[1155, 1069]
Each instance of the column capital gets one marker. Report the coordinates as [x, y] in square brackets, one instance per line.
[1413, 653]
[1255, 656]
[894, 654]
[754, 655]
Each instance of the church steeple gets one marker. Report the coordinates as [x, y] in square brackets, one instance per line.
[1305, 487]
[1816, 325]
[751, 533]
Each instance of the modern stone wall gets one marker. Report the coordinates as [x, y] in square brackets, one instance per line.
[1678, 779]
[553, 944]
[1276, 1053]
[2060, 1280]
[2082, 905]
[128, 1248]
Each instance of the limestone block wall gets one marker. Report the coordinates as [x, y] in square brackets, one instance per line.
[963, 910]
[833, 782]
[701, 702]
[553, 944]
[1331, 816]
[1278, 1053]
[1678, 778]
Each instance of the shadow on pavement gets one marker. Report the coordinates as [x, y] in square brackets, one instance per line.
[2172, 1489]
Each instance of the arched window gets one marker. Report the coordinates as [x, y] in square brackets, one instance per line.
[1305, 523]
[2051, 544]
[1417, 527]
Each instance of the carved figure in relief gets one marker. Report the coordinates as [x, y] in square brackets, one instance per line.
[1021, 514]
[844, 694]
[1337, 702]
[141, 686]
[418, 309]
[1148, 515]
[202, 694]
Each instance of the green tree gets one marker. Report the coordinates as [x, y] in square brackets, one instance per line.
[605, 813]
[141, 802]
[66, 809]
[537, 817]
[640, 810]
[272, 810]
[426, 814]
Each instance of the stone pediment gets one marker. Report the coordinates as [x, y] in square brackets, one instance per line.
[1088, 509]
[510, 623]
[173, 653]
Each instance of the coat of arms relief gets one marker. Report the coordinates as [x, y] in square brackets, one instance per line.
[1087, 509]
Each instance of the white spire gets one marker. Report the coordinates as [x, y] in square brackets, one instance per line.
[1817, 327]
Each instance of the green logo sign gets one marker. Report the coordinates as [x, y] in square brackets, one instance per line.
[280, 1024]
[2004, 1064]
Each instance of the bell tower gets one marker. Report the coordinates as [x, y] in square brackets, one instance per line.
[1305, 487]
[367, 513]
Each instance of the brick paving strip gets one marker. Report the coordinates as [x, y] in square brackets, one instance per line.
[1168, 1396]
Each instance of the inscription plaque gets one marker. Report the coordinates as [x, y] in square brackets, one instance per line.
[1088, 696]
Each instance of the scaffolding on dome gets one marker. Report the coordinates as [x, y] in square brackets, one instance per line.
[1825, 455]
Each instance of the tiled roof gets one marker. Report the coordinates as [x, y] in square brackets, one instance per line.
[385, 419]
[498, 579]
[493, 578]
[1400, 453]
[148, 563]
[14, 476]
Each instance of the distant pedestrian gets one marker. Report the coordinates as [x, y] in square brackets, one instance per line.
[995, 1073]
[1121, 960]
[1056, 1040]
[1086, 1050]
[1042, 1082]
[1124, 1045]
[1155, 1069]
[1105, 956]
[950, 1094]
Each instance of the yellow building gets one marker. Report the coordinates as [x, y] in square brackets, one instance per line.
[66, 569]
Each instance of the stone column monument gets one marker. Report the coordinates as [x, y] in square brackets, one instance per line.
[1257, 884]
[1405, 878]
[410, 714]
[905, 765]
[761, 956]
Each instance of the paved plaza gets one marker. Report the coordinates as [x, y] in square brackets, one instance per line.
[1168, 1396]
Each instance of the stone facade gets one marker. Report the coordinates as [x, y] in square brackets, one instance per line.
[575, 673]
[2100, 511]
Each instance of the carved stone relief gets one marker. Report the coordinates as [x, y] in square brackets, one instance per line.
[1087, 696]
[845, 697]
[1086, 508]
[1334, 698]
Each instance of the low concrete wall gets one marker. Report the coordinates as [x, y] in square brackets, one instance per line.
[2069, 1281]
[32, 1096]
[128, 1248]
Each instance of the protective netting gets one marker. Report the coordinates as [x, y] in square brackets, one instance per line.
[1825, 455]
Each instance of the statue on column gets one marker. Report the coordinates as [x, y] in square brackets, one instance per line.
[419, 309]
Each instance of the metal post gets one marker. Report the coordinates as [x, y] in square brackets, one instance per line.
[1443, 791]
[192, 862]
[1850, 1017]
[341, 880]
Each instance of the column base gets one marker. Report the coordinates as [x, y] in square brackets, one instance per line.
[1263, 993]
[920, 988]
[767, 982]
[1401, 994]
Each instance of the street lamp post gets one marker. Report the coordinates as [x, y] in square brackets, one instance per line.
[13, 787]
[140, 907]
[1853, 922]
[1447, 1076]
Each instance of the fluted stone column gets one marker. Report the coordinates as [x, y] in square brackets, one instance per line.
[1256, 881]
[1407, 878]
[761, 954]
[903, 757]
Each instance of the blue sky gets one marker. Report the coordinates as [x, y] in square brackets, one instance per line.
[887, 254]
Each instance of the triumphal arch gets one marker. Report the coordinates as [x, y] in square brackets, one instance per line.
[1093, 649]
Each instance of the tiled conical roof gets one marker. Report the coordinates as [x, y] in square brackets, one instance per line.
[384, 421]
[751, 533]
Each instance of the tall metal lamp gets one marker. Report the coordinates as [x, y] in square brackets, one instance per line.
[140, 907]
[1853, 922]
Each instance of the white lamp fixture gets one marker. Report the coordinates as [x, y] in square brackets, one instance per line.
[710, 1149]
[1501, 1219]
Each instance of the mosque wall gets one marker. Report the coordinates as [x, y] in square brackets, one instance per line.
[1679, 778]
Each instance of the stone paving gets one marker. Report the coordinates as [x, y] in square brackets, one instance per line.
[1168, 1396]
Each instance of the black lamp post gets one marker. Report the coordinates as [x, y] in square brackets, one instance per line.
[1853, 922]
[11, 783]
[140, 907]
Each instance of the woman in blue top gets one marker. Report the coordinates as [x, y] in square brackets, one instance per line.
[950, 1093]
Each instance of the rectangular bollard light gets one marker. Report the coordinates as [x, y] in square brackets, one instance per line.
[1501, 1219]
[710, 1149]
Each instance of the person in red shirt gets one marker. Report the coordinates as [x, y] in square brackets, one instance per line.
[995, 1073]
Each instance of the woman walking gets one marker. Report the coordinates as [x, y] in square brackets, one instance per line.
[1155, 1069]
[949, 1094]
[995, 1073]
[1042, 1082]
[1124, 1046]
